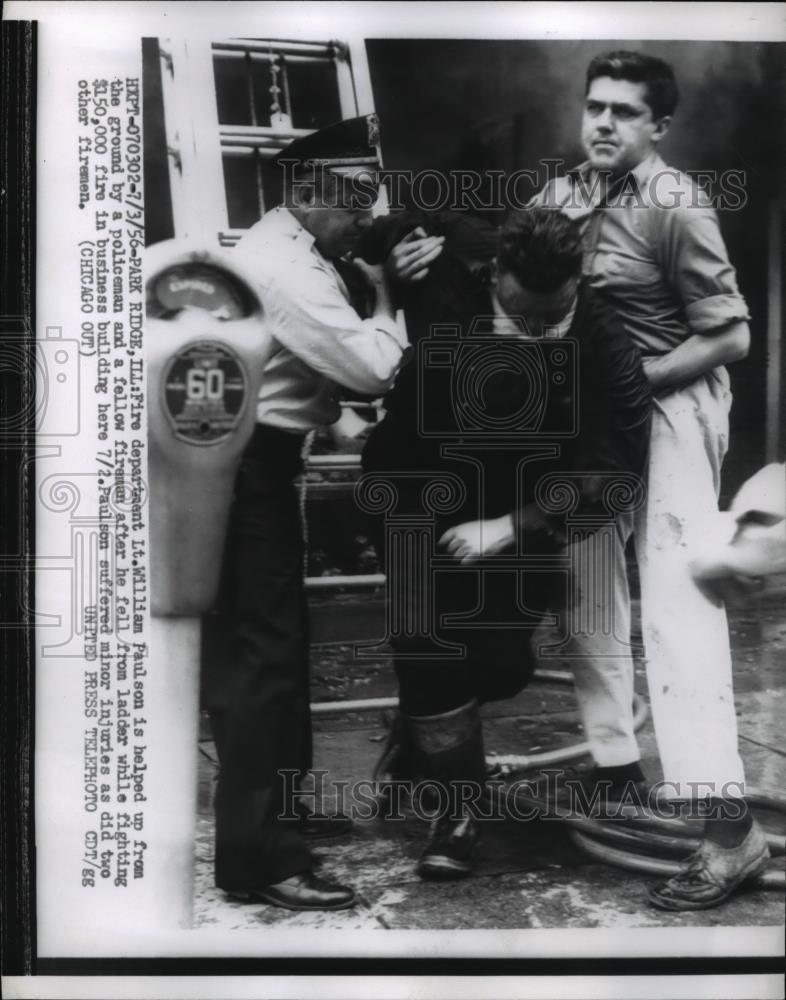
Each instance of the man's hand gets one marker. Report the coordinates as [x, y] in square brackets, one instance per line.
[373, 273]
[409, 260]
[477, 539]
[378, 283]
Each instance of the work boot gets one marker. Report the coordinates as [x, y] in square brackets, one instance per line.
[448, 750]
[614, 787]
[713, 873]
[451, 845]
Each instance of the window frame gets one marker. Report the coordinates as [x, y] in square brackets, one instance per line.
[196, 141]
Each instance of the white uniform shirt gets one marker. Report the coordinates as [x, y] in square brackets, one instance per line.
[321, 341]
[505, 326]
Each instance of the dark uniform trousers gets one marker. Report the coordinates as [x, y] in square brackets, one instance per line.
[256, 669]
[501, 608]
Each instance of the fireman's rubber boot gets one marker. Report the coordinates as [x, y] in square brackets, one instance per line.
[448, 749]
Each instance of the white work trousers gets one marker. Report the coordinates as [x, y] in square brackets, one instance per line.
[686, 638]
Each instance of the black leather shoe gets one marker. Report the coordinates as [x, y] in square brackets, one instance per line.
[305, 891]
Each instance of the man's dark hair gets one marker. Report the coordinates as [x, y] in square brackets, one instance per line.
[540, 247]
[656, 75]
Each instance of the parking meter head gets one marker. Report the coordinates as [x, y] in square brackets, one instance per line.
[206, 346]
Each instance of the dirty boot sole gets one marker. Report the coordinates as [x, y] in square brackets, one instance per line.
[440, 868]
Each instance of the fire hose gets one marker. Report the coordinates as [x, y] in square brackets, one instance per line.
[645, 837]
[645, 830]
[641, 829]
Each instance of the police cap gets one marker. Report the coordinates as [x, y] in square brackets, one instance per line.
[343, 146]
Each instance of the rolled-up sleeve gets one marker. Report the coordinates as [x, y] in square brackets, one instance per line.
[694, 257]
[309, 316]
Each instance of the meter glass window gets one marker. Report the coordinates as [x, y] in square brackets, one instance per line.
[198, 286]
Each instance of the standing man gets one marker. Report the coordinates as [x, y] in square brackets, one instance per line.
[259, 701]
[653, 250]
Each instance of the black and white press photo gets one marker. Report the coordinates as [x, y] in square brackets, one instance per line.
[407, 484]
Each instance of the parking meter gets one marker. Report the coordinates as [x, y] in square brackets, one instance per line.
[206, 347]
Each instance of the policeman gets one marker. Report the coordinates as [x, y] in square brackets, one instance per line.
[258, 697]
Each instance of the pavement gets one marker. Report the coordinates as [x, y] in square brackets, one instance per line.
[529, 874]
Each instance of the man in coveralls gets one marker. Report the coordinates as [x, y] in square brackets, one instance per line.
[524, 303]
[258, 689]
[654, 252]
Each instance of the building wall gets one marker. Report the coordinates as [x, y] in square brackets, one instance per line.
[507, 105]
[158, 199]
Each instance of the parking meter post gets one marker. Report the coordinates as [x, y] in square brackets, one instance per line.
[206, 348]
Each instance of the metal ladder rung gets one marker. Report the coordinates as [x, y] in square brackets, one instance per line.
[364, 580]
[333, 462]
